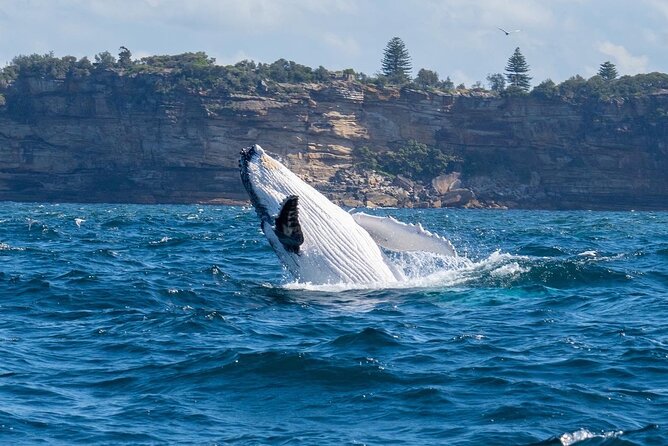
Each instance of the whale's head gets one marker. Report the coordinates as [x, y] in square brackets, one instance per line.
[268, 182]
[274, 192]
[249, 168]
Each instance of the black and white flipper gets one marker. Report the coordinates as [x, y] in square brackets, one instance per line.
[287, 227]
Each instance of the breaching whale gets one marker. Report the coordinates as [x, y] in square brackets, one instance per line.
[316, 240]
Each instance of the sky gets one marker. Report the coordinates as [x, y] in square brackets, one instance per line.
[456, 38]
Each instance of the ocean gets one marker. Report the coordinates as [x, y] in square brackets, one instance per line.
[149, 325]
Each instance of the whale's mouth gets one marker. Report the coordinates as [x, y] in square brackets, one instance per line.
[247, 156]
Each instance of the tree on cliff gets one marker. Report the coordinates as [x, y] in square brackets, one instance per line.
[396, 61]
[287, 71]
[321, 74]
[426, 78]
[546, 89]
[516, 72]
[497, 82]
[608, 71]
[124, 57]
[104, 60]
[447, 84]
[46, 66]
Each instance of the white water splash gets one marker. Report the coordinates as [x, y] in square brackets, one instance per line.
[6, 247]
[510, 270]
[427, 270]
[163, 240]
[570, 438]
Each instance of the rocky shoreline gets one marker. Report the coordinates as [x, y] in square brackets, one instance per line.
[371, 189]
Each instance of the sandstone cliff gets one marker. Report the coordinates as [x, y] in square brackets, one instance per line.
[114, 138]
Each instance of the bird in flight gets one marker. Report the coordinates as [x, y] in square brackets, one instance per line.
[508, 32]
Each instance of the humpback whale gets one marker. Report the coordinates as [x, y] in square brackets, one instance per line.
[319, 242]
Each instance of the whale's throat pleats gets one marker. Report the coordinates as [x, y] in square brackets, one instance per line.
[287, 228]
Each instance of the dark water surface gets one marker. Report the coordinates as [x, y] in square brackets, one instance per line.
[174, 325]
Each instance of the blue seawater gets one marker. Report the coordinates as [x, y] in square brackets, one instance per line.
[142, 325]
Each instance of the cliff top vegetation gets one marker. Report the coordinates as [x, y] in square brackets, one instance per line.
[196, 71]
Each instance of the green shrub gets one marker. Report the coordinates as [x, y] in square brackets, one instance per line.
[196, 71]
[546, 89]
[366, 158]
[413, 159]
[45, 66]
[426, 78]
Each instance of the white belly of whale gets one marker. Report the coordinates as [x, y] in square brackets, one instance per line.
[317, 241]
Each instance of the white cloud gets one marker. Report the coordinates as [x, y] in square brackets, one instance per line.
[346, 46]
[249, 16]
[328, 7]
[493, 13]
[590, 71]
[136, 55]
[231, 60]
[655, 37]
[460, 77]
[660, 6]
[626, 62]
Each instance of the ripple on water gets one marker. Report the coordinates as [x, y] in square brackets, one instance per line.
[368, 338]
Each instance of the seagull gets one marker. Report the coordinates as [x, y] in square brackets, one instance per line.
[508, 32]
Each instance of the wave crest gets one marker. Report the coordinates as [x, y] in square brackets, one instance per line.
[428, 270]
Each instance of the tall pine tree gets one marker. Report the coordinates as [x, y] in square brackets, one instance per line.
[608, 71]
[396, 61]
[516, 72]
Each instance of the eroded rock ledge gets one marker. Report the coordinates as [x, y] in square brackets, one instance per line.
[112, 138]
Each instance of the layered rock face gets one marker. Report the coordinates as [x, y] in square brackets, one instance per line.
[112, 138]
[548, 154]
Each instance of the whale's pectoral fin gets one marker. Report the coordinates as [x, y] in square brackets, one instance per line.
[397, 236]
[287, 229]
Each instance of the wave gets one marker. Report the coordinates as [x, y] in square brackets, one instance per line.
[428, 270]
[166, 241]
[498, 270]
[368, 338]
[582, 435]
[6, 247]
[352, 372]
